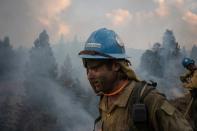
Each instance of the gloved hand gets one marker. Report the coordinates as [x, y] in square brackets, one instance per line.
[186, 85]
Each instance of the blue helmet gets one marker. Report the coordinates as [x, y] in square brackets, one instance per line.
[187, 61]
[103, 44]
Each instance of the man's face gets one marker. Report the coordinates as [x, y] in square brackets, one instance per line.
[191, 67]
[101, 76]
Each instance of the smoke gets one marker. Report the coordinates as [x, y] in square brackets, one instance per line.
[70, 114]
[162, 64]
[119, 17]
[33, 98]
[21, 19]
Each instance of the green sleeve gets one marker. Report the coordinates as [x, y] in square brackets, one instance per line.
[163, 116]
[170, 119]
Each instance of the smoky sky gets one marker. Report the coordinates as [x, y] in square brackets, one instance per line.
[139, 23]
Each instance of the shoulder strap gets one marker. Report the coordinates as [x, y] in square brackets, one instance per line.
[136, 92]
[146, 91]
[137, 106]
[140, 91]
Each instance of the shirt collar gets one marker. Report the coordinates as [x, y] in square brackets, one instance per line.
[122, 99]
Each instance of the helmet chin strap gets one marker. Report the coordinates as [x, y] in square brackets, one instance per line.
[118, 90]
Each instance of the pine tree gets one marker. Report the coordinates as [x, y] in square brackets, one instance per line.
[7, 55]
[193, 53]
[164, 61]
[68, 81]
[11, 87]
[66, 76]
[183, 52]
[42, 62]
[150, 62]
[41, 70]
[171, 48]
[169, 41]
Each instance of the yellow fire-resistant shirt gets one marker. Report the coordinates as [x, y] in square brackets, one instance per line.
[162, 115]
[192, 82]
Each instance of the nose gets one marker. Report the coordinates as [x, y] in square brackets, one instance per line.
[90, 73]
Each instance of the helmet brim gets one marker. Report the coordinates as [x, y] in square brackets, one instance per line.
[113, 56]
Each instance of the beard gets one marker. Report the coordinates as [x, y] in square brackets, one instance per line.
[102, 85]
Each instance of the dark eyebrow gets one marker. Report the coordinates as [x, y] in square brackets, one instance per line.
[96, 65]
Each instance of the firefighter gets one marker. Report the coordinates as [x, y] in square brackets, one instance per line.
[126, 103]
[190, 78]
[190, 82]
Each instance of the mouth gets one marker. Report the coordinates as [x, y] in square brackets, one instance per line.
[97, 85]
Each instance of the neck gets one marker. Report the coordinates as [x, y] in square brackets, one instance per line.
[118, 87]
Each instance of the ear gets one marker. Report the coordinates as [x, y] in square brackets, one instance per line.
[115, 66]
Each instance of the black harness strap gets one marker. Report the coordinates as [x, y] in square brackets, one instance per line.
[137, 107]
